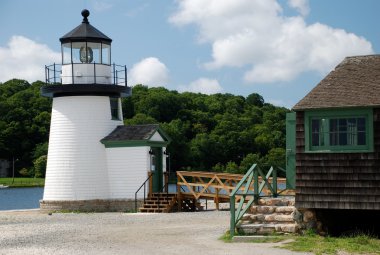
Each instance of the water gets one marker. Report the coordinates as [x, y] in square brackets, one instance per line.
[20, 198]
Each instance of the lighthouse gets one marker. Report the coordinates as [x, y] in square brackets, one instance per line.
[86, 90]
[95, 162]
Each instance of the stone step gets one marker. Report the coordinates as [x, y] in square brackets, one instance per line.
[265, 209]
[272, 217]
[283, 201]
[261, 229]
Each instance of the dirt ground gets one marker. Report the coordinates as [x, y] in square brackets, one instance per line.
[34, 232]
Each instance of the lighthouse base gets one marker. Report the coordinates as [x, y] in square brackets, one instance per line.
[95, 205]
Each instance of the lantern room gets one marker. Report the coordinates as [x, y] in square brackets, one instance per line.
[86, 60]
[86, 55]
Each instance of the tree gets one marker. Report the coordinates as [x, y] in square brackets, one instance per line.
[223, 132]
[255, 99]
[40, 166]
[24, 120]
[248, 161]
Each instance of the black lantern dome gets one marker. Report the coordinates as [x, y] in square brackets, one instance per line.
[86, 67]
[86, 44]
[85, 32]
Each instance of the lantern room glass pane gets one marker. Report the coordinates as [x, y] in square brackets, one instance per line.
[106, 54]
[66, 53]
[95, 50]
[76, 51]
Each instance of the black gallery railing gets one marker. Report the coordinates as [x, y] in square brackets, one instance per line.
[117, 74]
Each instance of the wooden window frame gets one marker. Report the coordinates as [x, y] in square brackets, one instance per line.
[366, 113]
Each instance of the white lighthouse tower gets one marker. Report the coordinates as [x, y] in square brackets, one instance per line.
[86, 90]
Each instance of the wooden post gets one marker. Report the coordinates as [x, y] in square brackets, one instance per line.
[150, 185]
[166, 182]
[217, 198]
[179, 197]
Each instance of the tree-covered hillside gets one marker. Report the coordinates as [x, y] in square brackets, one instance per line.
[24, 125]
[221, 132]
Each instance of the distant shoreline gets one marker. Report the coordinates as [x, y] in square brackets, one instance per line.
[21, 182]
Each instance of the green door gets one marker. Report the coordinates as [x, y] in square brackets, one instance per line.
[157, 169]
[291, 150]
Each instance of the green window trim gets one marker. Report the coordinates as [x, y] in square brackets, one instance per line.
[134, 143]
[324, 126]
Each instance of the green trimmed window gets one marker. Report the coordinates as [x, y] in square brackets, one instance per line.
[115, 112]
[339, 130]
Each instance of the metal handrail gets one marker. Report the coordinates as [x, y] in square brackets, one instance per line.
[142, 185]
[118, 74]
[252, 179]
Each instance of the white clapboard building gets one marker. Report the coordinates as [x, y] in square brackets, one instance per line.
[95, 163]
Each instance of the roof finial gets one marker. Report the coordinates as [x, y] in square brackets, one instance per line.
[85, 14]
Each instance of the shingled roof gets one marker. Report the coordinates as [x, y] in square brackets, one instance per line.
[355, 82]
[132, 133]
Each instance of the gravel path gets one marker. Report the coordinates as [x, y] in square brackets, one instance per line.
[33, 232]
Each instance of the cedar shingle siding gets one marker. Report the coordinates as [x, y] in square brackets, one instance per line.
[341, 180]
[337, 180]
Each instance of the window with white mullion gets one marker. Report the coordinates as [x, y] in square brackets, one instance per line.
[330, 132]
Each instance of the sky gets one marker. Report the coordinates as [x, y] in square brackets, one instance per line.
[280, 49]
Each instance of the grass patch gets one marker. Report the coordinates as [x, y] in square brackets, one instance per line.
[272, 239]
[311, 242]
[23, 182]
[359, 243]
[226, 237]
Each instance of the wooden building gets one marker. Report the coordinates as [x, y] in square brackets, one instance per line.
[133, 151]
[333, 141]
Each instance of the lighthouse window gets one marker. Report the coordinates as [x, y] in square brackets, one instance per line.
[115, 108]
[95, 52]
[76, 47]
[66, 53]
[106, 54]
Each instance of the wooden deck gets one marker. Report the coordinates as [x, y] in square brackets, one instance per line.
[211, 185]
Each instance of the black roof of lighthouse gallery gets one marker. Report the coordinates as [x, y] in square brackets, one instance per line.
[85, 32]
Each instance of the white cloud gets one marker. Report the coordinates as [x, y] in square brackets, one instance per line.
[203, 85]
[149, 71]
[101, 6]
[256, 34]
[24, 58]
[302, 6]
